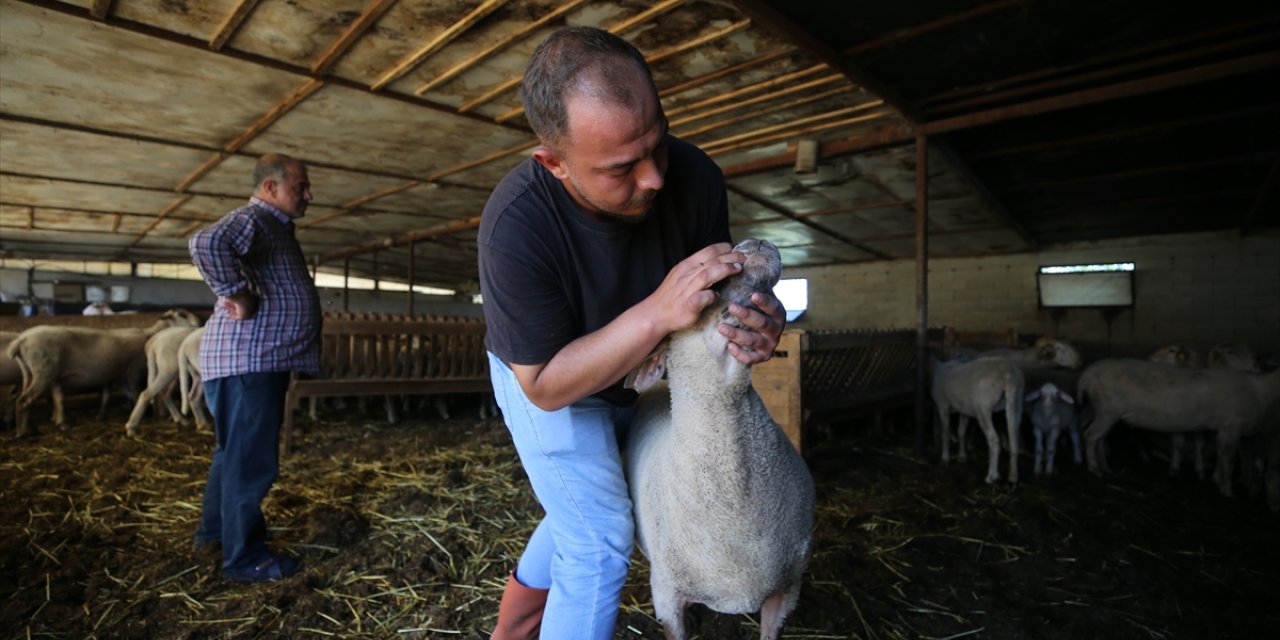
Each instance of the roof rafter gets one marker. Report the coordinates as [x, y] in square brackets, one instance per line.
[338, 48]
[435, 44]
[791, 215]
[505, 42]
[231, 24]
[756, 113]
[618, 29]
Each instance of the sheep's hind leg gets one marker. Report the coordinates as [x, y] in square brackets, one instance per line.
[962, 434]
[1093, 438]
[774, 611]
[993, 448]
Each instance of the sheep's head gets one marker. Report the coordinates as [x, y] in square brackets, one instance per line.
[1176, 354]
[1057, 352]
[760, 272]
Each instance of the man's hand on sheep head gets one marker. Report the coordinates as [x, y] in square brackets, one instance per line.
[757, 320]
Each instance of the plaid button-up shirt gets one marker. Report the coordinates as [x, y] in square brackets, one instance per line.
[254, 247]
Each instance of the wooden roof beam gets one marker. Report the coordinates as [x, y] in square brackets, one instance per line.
[435, 44]
[756, 113]
[1252, 158]
[231, 24]
[410, 237]
[1101, 74]
[791, 215]
[260, 60]
[757, 87]
[943, 23]
[716, 148]
[791, 125]
[745, 65]
[505, 42]
[100, 9]
[1176, 43]
[618, 29]
[373, 11]
[663, 54]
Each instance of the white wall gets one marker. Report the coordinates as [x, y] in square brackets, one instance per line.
[1199, 289]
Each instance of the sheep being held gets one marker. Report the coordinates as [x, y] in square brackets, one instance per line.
[723, 502]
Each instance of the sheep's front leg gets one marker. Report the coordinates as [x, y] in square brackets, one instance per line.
[1074, 431]
[993, 448]
[58, 418]
[1040, 451]
[1228, 442]
[944, 414]
[1052, 451]
[1014, 446]
[668, 608]
[775, 610]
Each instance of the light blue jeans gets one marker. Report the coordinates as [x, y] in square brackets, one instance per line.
[582, 547]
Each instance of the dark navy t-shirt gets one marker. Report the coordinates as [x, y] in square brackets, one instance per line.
[549, 273]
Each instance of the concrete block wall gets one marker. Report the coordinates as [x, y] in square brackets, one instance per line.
[1200, 289]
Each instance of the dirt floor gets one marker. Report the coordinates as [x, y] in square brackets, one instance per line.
[408, 531]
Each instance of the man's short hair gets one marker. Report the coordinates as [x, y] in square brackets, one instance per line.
[582, 61]
[272, 165]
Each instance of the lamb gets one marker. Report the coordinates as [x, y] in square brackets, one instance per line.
[723, 502]
[1052, 410]
[1233, 356]
[54, 357]
[162, 372]
[189, 379]
[1173, 399]
[975, 389]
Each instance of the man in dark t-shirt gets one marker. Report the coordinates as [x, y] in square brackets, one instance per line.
[591, 252]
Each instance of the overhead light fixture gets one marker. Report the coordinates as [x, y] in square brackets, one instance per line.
[806, 156]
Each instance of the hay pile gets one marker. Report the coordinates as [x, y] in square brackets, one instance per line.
[408, 531]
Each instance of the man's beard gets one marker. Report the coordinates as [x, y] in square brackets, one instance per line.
[620, 216]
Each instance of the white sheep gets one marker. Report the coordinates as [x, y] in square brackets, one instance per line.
[976, 389]
[189, 385]
[723, 501]
[10, 374]
[1172, 399]
[54, 357]
[1052, 411]
[162, 373]
[1233, 356]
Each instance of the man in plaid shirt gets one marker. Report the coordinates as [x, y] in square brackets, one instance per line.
[265, 325]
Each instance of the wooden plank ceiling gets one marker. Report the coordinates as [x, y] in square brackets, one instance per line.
[125, 125]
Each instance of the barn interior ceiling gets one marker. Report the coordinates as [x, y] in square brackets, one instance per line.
[127, 124]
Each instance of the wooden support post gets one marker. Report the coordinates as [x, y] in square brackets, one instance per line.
[922, 291]
[346, 284]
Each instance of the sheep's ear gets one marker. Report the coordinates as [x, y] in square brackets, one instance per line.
[1066, 397]
[650, 371]
[1032, 397]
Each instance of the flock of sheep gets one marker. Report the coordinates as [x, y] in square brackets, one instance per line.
[52, 359]
[1172, 392]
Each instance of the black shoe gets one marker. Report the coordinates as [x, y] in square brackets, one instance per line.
[270, 569]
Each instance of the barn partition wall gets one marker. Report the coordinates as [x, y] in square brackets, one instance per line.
[1199, 288]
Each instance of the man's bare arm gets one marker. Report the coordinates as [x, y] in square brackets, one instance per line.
[595, 361]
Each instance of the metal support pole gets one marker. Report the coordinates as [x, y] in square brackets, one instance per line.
[922, 292]
[411, 247]
[346, 284]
